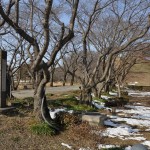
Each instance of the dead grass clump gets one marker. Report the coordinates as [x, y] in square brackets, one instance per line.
[84, 134]
[66, 119]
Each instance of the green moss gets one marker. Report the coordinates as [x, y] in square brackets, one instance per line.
[42, 129]
[83, 107]
[66, 101]
[99, 99]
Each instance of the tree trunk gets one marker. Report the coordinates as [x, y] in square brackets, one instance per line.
[86, 96]
[41, 111]
[18, 81]
[38, 101]
[33, 83]
[52, 79]
[72, 79]
[118, 87]
[119, 91]
[64, 80]
[95, 91]
[101, 87]
[39, 93]
[107, 88]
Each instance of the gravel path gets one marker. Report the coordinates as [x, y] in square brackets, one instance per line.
[53, 90]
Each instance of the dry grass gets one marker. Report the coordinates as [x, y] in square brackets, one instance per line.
[15, 132]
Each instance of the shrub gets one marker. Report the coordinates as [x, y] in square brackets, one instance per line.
[124, 93]
[66, 119]
[116, 102]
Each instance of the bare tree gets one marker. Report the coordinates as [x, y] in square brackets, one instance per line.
[109, 30]
[41, 11]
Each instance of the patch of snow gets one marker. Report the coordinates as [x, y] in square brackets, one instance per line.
[113, 93]
[106, 146]
[77, 98]
[105, 97]
[53, 113]
[140, 112]
[137, 107]
[138, 103]
[133, 83]
[138, 94]
[144, 116]
[110, 123]
[147, 130]
[107, 108]
[112, 117]
[93, 95]
[66, 145]
[131, 121]
[147, 143]
[97, 104]
[120, 132]
[70, 111]
[139, 138]
[128, 148]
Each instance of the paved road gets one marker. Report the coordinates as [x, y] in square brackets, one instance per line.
[53, 90]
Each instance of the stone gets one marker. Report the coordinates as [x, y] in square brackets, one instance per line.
[94, 119]
[139, 147]
[3, 67]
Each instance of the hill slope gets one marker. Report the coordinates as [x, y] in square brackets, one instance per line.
[139, 74]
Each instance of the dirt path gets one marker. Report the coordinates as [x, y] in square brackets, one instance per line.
[53, 90]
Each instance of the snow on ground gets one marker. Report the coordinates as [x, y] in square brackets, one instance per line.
[147, 143]
[139, 112]
[122, 132]
[137, 122]
[138, 93]
[140, 116]
[98, 104]
[128, 148]
[113, 93]
[53, 113]
[120, 127]
[105, 97]
[100, 146]
[110, 123]
[66, 145]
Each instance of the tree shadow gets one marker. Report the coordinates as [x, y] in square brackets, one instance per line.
[19, 109]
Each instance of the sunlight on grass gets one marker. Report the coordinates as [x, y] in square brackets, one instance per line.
[42, 129]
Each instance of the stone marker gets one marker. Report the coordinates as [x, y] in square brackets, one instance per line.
[95, 119]
[3, 66]
[139, 147]
[3, 89]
